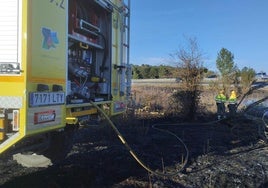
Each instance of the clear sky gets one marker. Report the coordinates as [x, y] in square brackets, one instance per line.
[159, 28]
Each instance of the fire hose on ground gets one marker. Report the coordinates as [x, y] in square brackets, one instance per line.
[135, 156]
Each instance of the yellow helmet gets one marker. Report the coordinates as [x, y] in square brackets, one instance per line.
[233, 94]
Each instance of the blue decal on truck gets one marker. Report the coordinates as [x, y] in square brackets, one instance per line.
[50, 38]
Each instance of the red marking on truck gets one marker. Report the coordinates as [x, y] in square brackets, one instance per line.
[44, 117]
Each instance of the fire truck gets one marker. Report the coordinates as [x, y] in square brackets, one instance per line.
[60, 61]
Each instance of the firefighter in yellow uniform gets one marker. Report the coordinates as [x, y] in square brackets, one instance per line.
[232, 103]
[220, 101]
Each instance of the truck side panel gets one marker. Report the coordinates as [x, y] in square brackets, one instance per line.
[47, 50]
[46, 64]
[120, 60]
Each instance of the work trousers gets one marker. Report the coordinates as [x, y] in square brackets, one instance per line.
[220, 109]
[232, 109]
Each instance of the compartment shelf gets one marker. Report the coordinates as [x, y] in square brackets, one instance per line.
[78, 39]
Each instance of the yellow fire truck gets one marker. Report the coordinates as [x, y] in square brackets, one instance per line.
[59, 61]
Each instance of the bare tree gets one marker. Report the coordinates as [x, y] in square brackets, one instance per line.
[189, 60]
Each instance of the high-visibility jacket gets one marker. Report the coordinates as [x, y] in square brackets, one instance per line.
[220, 98]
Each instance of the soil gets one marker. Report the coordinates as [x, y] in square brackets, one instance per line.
[228, 153]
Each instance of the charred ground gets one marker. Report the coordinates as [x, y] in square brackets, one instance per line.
[221, 154]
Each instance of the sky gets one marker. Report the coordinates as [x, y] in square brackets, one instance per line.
[160, 28]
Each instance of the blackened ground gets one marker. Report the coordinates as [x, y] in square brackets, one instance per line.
[221, 154]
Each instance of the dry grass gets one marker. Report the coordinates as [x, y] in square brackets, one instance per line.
[157, 100]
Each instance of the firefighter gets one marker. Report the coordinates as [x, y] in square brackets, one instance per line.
[232, 103]
[220, 101]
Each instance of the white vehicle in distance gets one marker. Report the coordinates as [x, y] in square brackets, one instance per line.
[261, 76]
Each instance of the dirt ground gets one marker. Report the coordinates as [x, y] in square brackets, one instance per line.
[221, 154]
[228, 153]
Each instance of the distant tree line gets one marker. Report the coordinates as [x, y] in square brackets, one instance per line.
[145, 71]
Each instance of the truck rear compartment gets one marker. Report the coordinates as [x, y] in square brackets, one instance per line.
[57, 58]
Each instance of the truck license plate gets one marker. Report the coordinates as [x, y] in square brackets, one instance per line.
[46, 98]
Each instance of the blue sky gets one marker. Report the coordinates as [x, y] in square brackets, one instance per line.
[159, 28]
